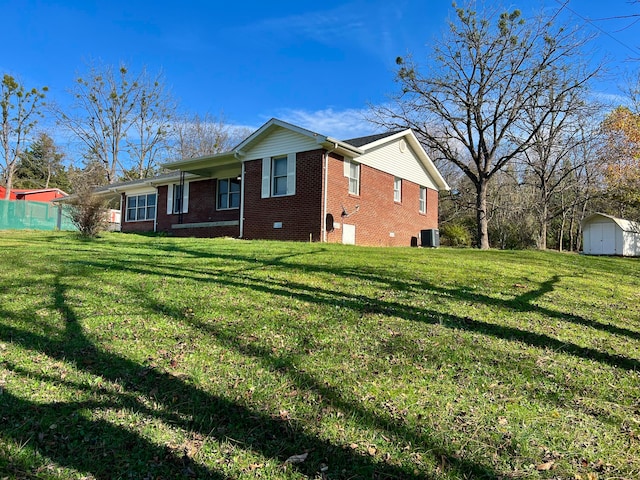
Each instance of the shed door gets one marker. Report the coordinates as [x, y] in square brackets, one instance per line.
[603, 238]
[348, 234]
[595, 237]
[609, 239]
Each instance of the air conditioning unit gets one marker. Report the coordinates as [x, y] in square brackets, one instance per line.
[430, 238]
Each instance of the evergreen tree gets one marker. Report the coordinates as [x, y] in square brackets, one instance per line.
[40, 166]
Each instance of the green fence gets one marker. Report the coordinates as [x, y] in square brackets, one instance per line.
[25, 215]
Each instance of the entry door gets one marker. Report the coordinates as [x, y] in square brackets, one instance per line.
[609, 239]
[596, 238]
[348, 234]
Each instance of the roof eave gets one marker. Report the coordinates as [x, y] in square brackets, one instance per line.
[341, 147]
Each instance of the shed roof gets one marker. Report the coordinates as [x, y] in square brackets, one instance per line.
[625, 225]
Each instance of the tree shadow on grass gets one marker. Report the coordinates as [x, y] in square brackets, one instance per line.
[192, 411]
[522, 303]
[63, 432]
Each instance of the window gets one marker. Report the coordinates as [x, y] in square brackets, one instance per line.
[177, 198]
[354, 178]
[423, 200]
[279, 176]
[397, 189]
[228, 193]
[141, 207]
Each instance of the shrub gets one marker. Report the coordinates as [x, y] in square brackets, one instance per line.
[87, 211]
[455, 235]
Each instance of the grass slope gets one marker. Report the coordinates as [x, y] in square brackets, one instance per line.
[150, 357]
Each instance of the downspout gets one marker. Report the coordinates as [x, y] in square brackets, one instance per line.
[242, 201]
[181, 201]
[122, 214]
[326, 190]
[155, 216]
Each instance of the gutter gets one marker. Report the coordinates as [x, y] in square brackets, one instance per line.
[342, 148]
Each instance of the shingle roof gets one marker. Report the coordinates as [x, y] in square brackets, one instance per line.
[360, 141]
[104, 188]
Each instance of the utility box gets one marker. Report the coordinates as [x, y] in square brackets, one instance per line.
[430, 238]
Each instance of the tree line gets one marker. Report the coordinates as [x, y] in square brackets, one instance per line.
[124, 125]
[504, 105]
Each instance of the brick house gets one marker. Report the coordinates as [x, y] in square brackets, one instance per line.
[284, 182]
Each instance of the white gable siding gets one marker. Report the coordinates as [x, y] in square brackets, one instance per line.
[281, 141]
[405, 164]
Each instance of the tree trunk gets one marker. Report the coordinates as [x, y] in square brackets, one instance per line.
[542, 239]
[561, 235]
[481, 214]
[9, 186]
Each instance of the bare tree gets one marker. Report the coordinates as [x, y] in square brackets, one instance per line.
[196, 136]
[120, 118]
[152, 124]
[471, 96]
[20, 109]
[550, 160]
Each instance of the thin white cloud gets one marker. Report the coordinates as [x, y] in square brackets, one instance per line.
[340, 124]
[367, 26]
[611, 99]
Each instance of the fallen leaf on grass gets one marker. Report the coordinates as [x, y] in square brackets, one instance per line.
[372, 451]
[297, 458]
[545, 466]
[284, 415]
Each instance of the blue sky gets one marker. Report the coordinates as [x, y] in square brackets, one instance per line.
[316, 64]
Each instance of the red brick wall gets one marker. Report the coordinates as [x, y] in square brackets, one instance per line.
[135, 227]
[300, 214]
[378, 216]
[202, 208]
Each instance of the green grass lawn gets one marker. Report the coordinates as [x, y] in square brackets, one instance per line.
[160, 358]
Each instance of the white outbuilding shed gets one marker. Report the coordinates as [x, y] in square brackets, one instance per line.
[607, 235]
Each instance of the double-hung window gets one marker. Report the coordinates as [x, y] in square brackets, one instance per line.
[423, 200]
[141, 207]
[177, 198]
[228, 193]
[178, 206]
[279, 176]
[397, 189]
[354, 178]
